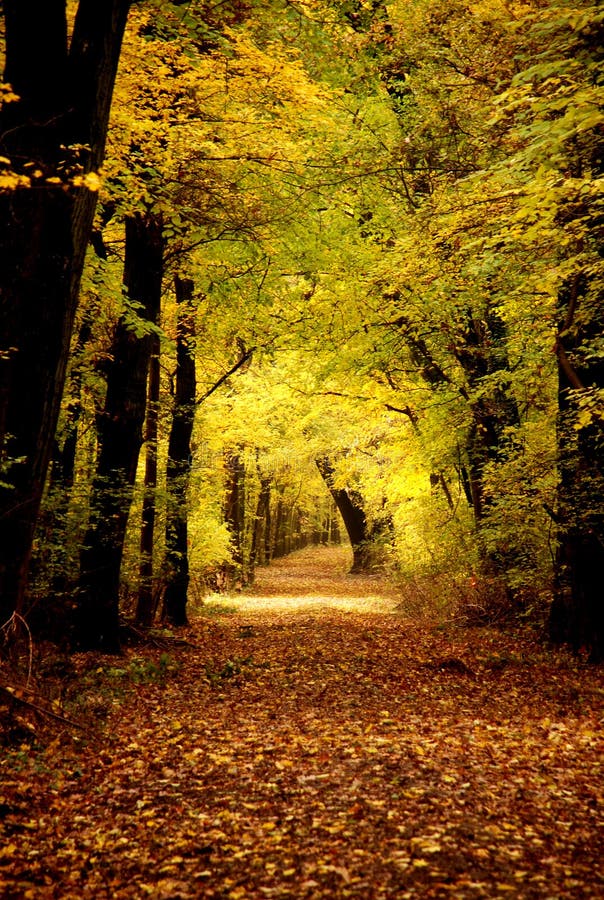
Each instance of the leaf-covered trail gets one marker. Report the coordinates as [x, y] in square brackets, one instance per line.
[306, 748]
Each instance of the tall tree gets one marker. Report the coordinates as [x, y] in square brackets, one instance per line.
[120, 436]
[351, 507]
[261, 533]
[179, 460]
[53, 126]
[145, 608]
[234, 513]
[577, 613]
[567, 85]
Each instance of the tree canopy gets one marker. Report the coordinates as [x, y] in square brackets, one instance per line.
[390, 219]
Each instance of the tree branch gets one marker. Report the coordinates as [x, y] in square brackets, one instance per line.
[245, 356]
[571, 375]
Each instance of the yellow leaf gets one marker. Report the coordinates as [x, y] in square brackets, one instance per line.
[92, 181]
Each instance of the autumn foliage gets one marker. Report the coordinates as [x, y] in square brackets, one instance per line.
[301, 442]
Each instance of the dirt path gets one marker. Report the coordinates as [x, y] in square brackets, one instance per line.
[306, 748]
[315, 579]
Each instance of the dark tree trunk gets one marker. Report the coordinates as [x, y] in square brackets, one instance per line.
[145, 608]
[279, 536]
[294, 530]
[577, 612]
[179, 461]
[65, 97]
[120, 438]
[258, 552]
[234, 513]
[350, 506]
[287, 531]
[268, 527]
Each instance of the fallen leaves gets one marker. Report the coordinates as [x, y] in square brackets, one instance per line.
[343, 759]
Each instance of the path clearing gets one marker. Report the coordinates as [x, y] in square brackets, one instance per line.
[314, 750]
[314, 579]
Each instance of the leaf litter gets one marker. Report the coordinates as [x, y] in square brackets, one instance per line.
[315, 744]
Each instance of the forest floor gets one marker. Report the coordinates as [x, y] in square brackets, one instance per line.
[306, 740]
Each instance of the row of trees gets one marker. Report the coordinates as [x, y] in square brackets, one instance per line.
[345, 255]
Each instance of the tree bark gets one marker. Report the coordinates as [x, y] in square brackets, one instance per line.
[350, 506]
[179, 461]
[234, 513]
[56, 130]
[145, 609]
[262, 524]
[577, 611]
[268, 528]
[278, 542]
[120, 438]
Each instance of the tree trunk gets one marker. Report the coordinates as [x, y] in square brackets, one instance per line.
[258, 552]
[179, 461]
[145, 609]
[268, 527]
[350, 506]
[56, 130]
[279, 536]
[120, 438]
[234, 513]
[577, 612]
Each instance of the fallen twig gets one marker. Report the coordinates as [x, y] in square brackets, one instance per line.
[13, 695]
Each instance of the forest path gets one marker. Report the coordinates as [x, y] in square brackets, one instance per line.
[316, 578]
[312, 749]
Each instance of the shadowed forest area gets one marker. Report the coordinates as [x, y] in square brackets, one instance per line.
[301, 442]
